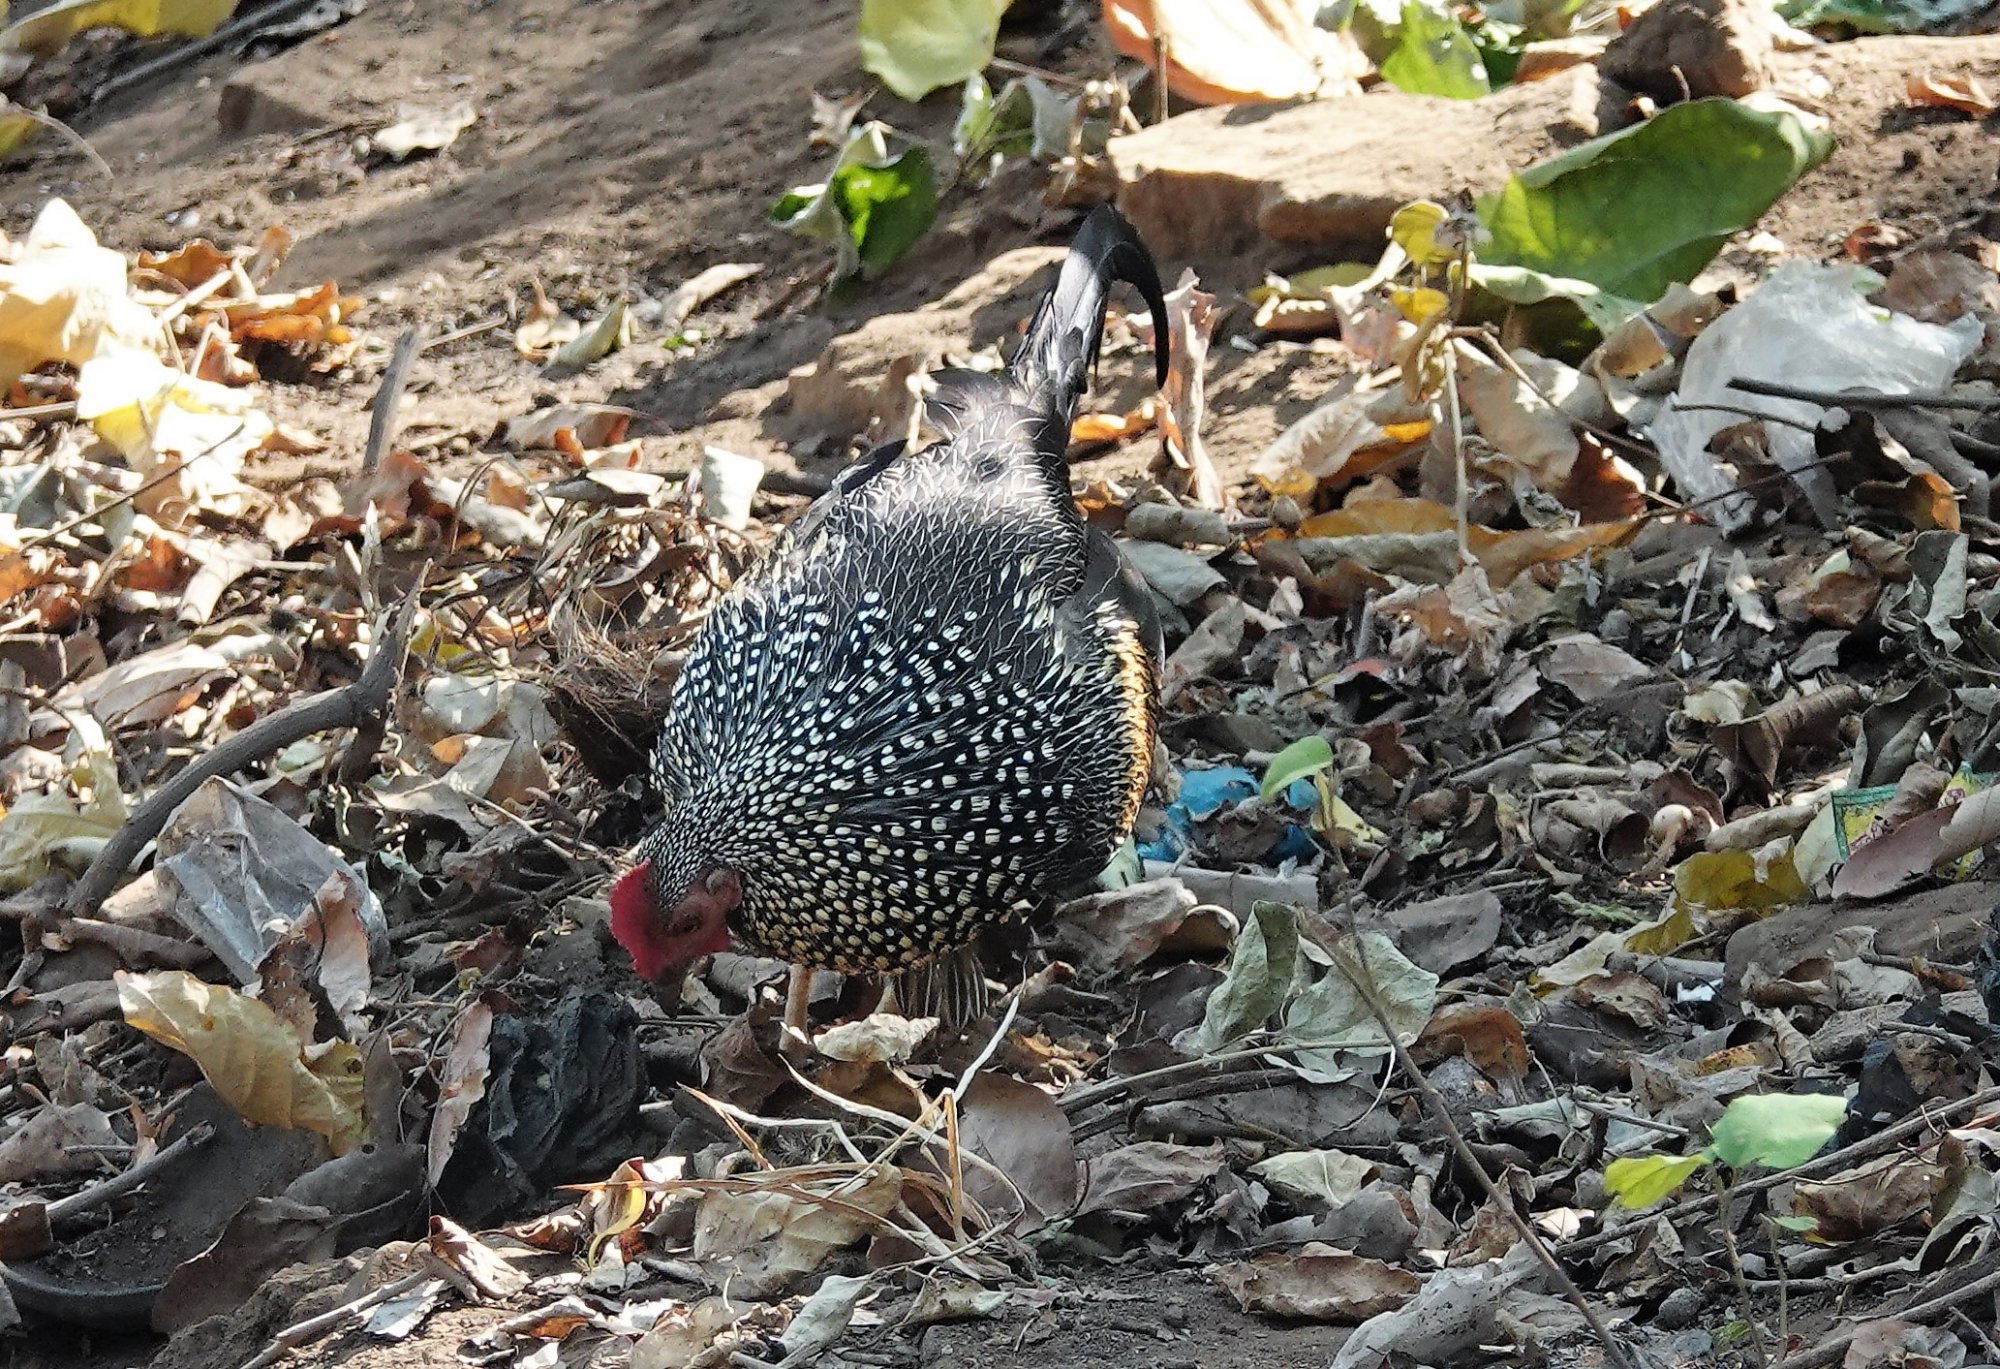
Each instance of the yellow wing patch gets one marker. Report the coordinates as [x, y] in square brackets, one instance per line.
[1138, 689]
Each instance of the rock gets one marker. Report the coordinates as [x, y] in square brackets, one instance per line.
[1938, 924]
[1214, 183]
[861, 385]
[1542, 60]
[250, 104]
[1687, 49]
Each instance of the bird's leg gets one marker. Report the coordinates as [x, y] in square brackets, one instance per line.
[798, 996]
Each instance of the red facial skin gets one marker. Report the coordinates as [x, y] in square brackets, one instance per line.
[664, 942]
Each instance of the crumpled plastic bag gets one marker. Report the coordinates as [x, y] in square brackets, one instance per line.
[1807, 325]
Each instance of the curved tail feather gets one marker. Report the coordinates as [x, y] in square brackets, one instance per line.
[1054, 363]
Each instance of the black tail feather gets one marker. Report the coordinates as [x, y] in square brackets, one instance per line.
[1063, 337]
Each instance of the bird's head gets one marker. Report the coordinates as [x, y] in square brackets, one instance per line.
[666, 929]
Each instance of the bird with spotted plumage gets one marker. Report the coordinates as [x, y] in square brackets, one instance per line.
[931, 707]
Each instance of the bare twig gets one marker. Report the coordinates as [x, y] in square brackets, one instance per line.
[1865, 399]
[1363, 981]
[351, 705]
[312, 1328]
[1833, 1349]
[118, 1185]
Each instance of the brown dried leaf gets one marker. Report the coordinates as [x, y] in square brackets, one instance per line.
[1191, 319]
[1319, 1283]
[461, 1084]
[778, 1227]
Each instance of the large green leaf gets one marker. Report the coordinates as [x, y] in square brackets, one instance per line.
[1434, 56]
[916, 46]
[1776, 1130]
[888, 206]
[1630, 214]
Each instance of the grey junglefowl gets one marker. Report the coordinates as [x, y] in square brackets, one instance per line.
[931, 707]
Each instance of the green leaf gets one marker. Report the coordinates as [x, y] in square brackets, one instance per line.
[1259, 974]
[1435, 56]
[1776, 1130]
[916, 46]
[1306, 756]
[1642, 1180]
[1620, 213]
[1525, 286]
[871, 208]
[887, 207]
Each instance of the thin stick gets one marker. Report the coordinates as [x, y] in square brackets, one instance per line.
[187, 53]
[1865, 399]
[382, 413]
[1364, 985]
[350, 705]
[485, 325]
[118, 1185]
[1076, 1100]
[312, 1328]
[1834, 1349]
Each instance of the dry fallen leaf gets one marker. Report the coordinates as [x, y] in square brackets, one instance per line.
[1190, 321]
[1962, 93]
[425, 130]
[249, 1055]
[1319, 1283]
[1238, 51]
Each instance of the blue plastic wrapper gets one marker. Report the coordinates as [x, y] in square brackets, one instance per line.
[1204, 793]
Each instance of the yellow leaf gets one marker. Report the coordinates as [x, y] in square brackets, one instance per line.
[63, 297]
[46, 30]
[1663, 934]
[1415, 431]
[249, 1055]
[159, 417]
[1421, 304]
[1641, 1181]
[1736, 880]
[16, 127]
[1344, 822]
[1414, 229]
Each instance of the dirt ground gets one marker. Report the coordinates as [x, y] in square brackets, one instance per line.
[623, 146]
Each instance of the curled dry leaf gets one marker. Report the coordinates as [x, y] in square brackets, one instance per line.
[425, 130]
[1190, 321]
[464, 1259]
[1963, 93]
[883, 1037]
[1231, 52]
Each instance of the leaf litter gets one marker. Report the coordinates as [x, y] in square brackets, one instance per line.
[1485, 987]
